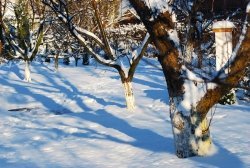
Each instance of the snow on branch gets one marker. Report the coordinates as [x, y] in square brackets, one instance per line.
[90, 35]
[61, 10]
[195, 88]
[173, 36]
[158, 6]
[139, 51]
[97, 56]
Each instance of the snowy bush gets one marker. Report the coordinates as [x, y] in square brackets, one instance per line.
[243, 92]
[126, 38]
[229, 98]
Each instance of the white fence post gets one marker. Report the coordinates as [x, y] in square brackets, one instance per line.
[223, 39]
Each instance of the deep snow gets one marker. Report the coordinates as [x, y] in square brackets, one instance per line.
[76, 118]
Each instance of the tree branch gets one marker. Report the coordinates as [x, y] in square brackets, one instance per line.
[137, 55]
[103, 33]
[237, 68]
[161, 30]
[65, 18]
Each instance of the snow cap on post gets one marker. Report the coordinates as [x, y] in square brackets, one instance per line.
[223, 39]
[248, 8]
[223, 26]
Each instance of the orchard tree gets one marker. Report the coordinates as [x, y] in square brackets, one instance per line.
[1, 29]
[3, 4]
[57, 41]
[83, 12]
[192, 92]
[108, 55]
[28, 31]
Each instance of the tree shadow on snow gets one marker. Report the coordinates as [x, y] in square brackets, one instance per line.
[242, 108]
[65, 87]
[222, 159]
[6, 163]
[8, 159]
[24, 90]
[157, 94]
[12, 69]
[142, 138]
[73, 93]
[149, 83]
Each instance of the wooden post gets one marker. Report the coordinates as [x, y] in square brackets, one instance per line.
[223, 39]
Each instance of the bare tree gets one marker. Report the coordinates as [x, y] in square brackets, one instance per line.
[57, 41]
[192, 93]
[29, 30]
[1, 30]
[61, 8]
[2, 38]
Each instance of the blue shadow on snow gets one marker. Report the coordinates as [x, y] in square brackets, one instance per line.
[143, 138]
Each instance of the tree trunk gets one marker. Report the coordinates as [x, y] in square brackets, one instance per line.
[76, 61]
[191, 134]
[190, 128]
[129, 95]
[56, 61]
[189, 53]
[85, 59]
[1, 32]
[1, 55]
[27, 71]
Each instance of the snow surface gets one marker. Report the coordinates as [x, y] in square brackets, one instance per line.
[76, 117]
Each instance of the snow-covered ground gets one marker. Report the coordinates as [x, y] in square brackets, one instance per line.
[76, 118]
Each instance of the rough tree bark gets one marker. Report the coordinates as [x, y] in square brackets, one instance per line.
[27, 41]
[188, 117]
[57, 61]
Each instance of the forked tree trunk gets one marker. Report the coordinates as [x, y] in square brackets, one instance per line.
[27, 74]
[190, 128]
[129, 95]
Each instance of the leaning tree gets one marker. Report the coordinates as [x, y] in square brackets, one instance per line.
[192, 92]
